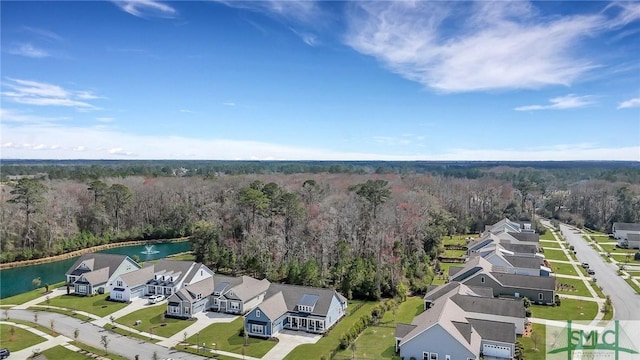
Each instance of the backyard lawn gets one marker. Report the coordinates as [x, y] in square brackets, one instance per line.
[562, 268]
[458, 239]
[527, 344]
[29, 295]
[548, 235]
[97, 305]
[576, 287]
[378, 342]
[325, 345]
[569, 309]
[551, 254]
[227, 337]
[153, 321]
[21, 338]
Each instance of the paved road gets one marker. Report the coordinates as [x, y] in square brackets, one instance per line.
[91, 334]
[625, 301]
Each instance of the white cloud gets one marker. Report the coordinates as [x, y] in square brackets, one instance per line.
[147, 8]
[28, 50]
[43, 94]
[462, 46]
[106, 119]
[297, 10]
[229, 103]
[570, 101]
[631, 103]
[43, 33]
[56, 142]
[14, 116]
[308, 38]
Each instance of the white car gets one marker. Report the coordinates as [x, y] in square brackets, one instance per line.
[154, 299]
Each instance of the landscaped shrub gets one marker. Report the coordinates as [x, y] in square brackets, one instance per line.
[637, 256]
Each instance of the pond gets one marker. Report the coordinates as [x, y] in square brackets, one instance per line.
[18, 280]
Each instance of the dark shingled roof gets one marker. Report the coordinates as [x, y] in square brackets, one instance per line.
[526, 236]
[464, 328]
[520, 248]
[403, 329]
[626, 226]
[489, 305]
[526, 262]
[95, 261]
[525, 281]
[495, 330]
[293, 294]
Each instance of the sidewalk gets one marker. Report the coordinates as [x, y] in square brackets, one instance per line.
[56, 292]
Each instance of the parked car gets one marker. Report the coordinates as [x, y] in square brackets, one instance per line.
[154, 299]
[585, 265]
[591, 272]
[4, 353]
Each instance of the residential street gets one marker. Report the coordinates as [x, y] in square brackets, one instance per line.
[91, 334]
[625, 301]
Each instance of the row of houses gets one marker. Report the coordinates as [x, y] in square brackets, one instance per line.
[627, 234]
[191, 288]
[480, 311]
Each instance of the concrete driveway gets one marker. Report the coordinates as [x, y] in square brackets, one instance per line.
[289, 340]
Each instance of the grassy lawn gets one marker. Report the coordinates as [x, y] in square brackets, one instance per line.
[597, 289]
[551, 254]
[605, 257]
[633, 273]
[120, 331]
[61, 311]
[452, 253]
[548, 235]
[561, 268]
[550, 244]
[527, 344]
[325, 345]
[20, 340]
[377, 342]
[633, 285]
[97, 305]
[187, 256]
[616, 250]
[622, 258]
[98, 351]
[569, 309]
[151, 321]
[227, 338]
[60, 352]
[579, 288]
[29, 295]
[457, 239]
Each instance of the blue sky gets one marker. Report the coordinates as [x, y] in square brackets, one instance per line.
[298, 80]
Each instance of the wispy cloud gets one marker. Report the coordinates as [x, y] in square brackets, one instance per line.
[307, 37]
[570, 101]
[28, 50]
[461, 47]
[186, 111]
[44, 34]
[229, 103]
[9, 116]
[631, 103]
[298, 10]
[147, 8]
[43, 94]
[105, 119]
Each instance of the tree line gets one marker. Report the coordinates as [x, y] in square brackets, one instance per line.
[368, 235]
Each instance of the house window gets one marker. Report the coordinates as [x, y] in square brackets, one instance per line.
[82, 289]
[447, 357]
[118, 295]
[425, 356]
[198, 297]
[257, 313]
[119, 283]
[482, 279]
[540, 296]
[186, 310]
[235, 305]
[434, 356]
[257, 329]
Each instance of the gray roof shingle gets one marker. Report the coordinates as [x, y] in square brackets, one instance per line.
[489, 305]
[547, 283]
[495, 330]
[95, 261]
[527, 262]
[526, 236]
[292, 295]
[627, 226]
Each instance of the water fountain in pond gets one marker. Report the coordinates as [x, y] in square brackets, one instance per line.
[149, 250]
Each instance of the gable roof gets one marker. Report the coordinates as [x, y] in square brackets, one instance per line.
[473, 265]
[190, 292]
[490, 305]
[547, 283]
[274, 307]
[495, 330]
[95, 261]
[95, 277]
[626, 226]
[520, 248]
[243, 288]
[292, 295]
[526, 236]
[138, 277]
[178, 269]
[403, 329]
[526, 262]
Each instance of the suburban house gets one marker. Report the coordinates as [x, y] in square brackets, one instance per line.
[237, 295]
[192, 298]
[506, 225]
[131, 285]
[447, 332]
[509, 262]
[295, 307]
[509, 241]
[95, 273]
[479, 272]
[627, 234]
[479, 303]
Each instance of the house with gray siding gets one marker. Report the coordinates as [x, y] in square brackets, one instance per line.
[293, 307]
[95, 273]
[627, 234]
[237, 295]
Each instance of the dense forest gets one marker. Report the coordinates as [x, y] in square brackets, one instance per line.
[370, 229]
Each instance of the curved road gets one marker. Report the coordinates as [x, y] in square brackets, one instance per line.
[90, 334]
[625, 301]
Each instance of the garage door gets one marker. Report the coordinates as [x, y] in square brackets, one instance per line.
[496, 351]
[139, 292]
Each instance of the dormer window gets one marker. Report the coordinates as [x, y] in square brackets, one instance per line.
[304, 308]
[257, 313]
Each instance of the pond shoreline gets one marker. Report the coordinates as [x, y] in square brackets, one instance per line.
[75, 253]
